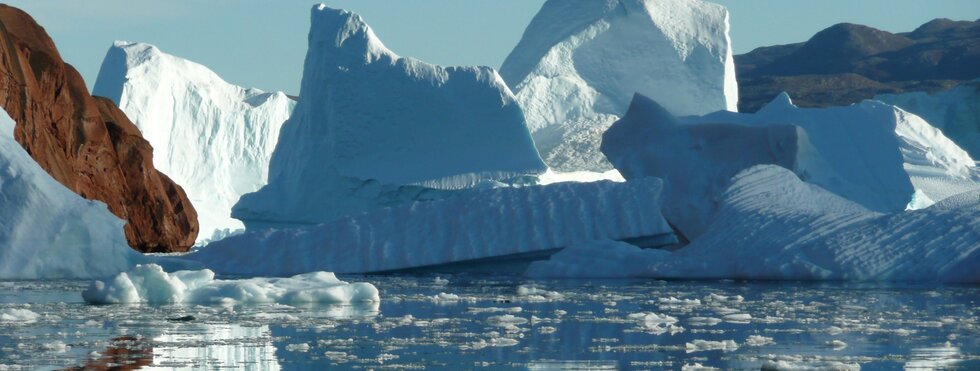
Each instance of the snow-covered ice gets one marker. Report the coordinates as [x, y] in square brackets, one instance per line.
[474, 227]
[772, 225]
[151, 284]
[375, 129]
[956, 112]
[46, 230]
[18, 315]
[579, 63]
[213, 138]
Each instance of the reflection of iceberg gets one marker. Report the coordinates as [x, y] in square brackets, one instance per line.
[340, 311]
[933, 358]
[215, 346]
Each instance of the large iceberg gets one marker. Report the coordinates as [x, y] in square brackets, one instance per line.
[213, 138]
[874, 154]
[772, 225]
[497, 228]
[956, 112]
[864, 142]
[46, 230]
[370, 119]
[151, 284]
[696, 161]
[580, 61]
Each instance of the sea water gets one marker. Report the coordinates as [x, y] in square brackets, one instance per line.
[465, 322]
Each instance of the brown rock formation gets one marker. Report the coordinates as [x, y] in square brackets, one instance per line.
[87, 143]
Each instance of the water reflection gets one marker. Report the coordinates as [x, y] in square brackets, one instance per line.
[937, 358]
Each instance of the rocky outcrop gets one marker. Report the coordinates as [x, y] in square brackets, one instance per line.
[87, 143]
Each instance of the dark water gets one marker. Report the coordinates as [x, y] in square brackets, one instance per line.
[512, 324]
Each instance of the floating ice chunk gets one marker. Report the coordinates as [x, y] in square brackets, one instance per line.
[799, 364]
[151, 284]
[56, 347]
[703, 321]
[697, 367]
[300, 347]
[706, 345]
[758, 341]
[18, 315]
[836, 344]
[532, 293]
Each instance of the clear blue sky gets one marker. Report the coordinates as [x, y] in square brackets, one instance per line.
[262, 43]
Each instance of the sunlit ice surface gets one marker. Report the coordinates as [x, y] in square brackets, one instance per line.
[466, 322]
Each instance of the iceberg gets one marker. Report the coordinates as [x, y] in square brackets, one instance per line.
[863, 143]
[213, 138]
[46, 230]
[773, 225]
[874, 154]
[151, 284]
[493, 228]
[956, 112]
[696, 161]
[580, 61]
[375, 129]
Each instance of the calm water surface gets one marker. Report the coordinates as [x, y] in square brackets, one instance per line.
[506, 323]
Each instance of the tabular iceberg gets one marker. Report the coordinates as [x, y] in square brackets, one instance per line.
[580, 61]
[46, 230]
[213, 138]
[956, 112]
[772, 225]
[370, 118]
[471, 228]
[151, 284]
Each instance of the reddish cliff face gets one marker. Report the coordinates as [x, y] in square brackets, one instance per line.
[87, 143]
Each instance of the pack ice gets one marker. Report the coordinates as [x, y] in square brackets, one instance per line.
[580, 61]
[213, 138]
[482, 227]
[772, 225]
[956, 112]
[375, 129]
[46, 230]
[874, 154]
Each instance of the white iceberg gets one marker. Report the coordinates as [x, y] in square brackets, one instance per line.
[580, 61]
[370, 121]
[956, 112]
[151, 284]
[874, 154]
[213, 138]
[499, 228]
[772, 225]
[46, 230]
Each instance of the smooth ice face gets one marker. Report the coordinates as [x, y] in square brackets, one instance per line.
[213, 138]
[579, 63]
[151, 284]
[772, 225]
[46, 230]
[956, 112]
[368, 114]
[473, 228]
